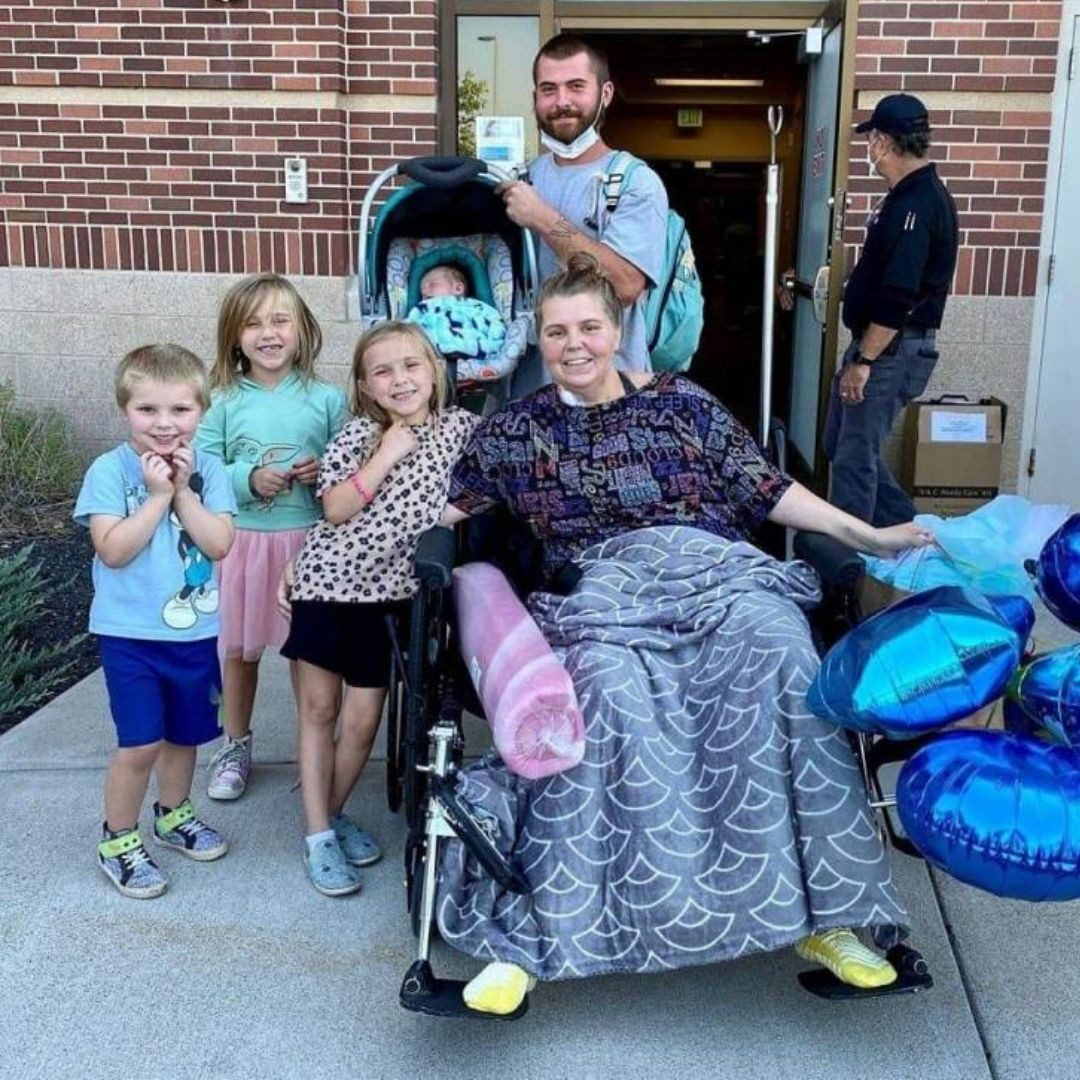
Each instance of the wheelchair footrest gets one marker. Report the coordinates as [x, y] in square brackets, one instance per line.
[423, 992]
[912, 971]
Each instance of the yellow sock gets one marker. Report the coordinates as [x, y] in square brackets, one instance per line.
[847, 958]
[499, 989]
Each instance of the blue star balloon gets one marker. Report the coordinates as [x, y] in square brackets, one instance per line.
[923, 662]
[997, 811]
[1046, 691]
[1056, 572]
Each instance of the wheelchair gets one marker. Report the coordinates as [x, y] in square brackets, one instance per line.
[430, 691]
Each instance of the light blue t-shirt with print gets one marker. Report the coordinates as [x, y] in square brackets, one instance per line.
[168, 592]
[635, 230]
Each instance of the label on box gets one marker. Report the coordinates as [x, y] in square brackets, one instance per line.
[967, 427]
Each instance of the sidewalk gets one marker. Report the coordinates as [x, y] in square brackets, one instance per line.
[243, 970]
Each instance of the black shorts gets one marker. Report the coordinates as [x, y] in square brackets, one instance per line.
[351, 640]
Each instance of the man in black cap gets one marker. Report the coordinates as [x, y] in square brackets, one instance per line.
[893, 303]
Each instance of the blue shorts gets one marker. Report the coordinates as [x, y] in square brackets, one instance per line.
[162, 690]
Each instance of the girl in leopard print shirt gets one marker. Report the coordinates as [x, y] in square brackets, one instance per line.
[383, 481]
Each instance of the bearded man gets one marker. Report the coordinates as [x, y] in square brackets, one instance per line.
[573, 202]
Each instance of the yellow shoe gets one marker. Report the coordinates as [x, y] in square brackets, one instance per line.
[499, 989]
[847, 958]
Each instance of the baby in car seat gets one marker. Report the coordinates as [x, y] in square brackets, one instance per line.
[457, 324]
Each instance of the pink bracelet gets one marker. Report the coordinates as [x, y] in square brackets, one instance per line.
[360, 489]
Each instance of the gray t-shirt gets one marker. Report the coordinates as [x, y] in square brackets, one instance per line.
[636, 230]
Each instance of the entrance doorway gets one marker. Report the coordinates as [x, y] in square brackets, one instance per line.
[695, 107]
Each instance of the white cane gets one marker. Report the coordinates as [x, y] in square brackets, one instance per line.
[772, 203]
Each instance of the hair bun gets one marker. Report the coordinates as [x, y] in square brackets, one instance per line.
[581, 266]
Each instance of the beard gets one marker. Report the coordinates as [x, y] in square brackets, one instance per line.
[566, 132]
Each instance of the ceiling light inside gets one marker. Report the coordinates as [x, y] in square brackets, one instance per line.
[732, 83]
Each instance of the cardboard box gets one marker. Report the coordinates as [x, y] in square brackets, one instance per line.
[951, 459]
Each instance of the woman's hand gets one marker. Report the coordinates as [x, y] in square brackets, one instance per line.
[268, 482]
[284, 589]
[897, 538]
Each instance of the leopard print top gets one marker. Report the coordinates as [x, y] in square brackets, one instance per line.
[368, 559]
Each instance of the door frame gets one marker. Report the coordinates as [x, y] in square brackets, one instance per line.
[557, 15]
[1051, 200]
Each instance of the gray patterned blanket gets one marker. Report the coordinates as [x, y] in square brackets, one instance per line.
[713, 815]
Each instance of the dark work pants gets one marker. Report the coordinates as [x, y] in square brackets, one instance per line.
[862, 483]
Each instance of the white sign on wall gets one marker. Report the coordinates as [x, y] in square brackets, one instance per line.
[500, 140]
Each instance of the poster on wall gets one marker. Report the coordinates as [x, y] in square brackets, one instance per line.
[500, 140]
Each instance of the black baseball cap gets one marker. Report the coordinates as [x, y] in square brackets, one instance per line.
[897, 114]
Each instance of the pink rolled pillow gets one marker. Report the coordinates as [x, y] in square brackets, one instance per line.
[528, 697]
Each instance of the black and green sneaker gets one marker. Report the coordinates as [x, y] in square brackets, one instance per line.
[182, 831]
[127, 864]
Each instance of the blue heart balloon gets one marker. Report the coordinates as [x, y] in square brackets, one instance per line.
[1046, 690]
[997, 811]
[1017, 611]
[923, 662]
[1056, 572]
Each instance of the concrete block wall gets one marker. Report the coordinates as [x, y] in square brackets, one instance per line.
[66, 331]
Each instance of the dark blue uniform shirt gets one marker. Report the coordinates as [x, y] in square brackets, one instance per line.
[908, 257]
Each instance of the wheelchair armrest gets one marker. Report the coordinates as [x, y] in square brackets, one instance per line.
[435, 557]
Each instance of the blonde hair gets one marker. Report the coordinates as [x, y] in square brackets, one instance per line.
[359, 400]
[161, 363]
[240, 303]
[583, 276]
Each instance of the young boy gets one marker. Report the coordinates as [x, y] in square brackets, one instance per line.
[159, 516]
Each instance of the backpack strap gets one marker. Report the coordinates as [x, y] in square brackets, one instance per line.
[612, 184]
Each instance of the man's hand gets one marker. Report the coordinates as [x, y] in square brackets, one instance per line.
[853, 380]
[305, 470]
[157, 473]
[268, 482]
[523, 206]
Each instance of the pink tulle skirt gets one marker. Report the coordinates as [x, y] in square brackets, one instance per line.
[250, 621]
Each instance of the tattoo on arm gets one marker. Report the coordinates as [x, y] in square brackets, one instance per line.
[563, 230]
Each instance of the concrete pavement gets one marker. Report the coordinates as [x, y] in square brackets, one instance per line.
[242, 970]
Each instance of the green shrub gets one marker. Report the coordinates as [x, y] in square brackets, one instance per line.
[28, 674]
[40, 469]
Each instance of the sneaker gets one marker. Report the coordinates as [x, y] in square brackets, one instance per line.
[328, 870]
[357, 845]
[182, 831]
[847, 958]
[127, 864]
[230, 768]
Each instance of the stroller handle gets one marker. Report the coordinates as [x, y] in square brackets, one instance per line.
[441, 172]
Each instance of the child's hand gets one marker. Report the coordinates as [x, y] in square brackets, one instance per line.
[183, 464]
[398, 441]
[284, 588]
[304, 471]
[268, 481]
[157, 473]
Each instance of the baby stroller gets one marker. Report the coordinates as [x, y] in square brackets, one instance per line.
[448, 213]
[425, 746]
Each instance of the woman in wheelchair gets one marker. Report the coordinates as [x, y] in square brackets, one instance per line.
[713, 815]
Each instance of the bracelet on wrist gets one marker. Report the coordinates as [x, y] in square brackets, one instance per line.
[361, 490]
[865, 360]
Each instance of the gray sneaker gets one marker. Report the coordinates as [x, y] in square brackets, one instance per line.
[182, 831]
[127, 864]
[230, 768]
[357, 845]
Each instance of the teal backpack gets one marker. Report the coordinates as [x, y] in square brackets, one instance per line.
[675, 307]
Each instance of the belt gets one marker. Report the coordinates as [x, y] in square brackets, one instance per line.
[928, 332]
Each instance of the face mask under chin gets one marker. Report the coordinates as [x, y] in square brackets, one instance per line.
[583, 143]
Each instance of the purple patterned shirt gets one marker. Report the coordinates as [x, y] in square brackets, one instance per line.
[666, 454]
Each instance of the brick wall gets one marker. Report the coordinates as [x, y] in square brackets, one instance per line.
[143, 135]
[986, 72]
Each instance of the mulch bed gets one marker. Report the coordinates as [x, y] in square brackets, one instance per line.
[64, 551]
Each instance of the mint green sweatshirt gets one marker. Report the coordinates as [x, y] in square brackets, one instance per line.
[249, 426]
